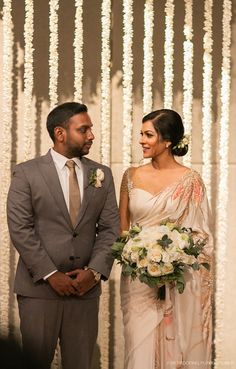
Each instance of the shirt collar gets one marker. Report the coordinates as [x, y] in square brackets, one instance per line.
[60, 160]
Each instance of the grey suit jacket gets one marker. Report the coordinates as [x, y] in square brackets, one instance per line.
[41, 229]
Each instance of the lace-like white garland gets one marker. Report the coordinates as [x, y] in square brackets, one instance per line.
[188, 76]
[127, 81]
[53, 52]
[5, 159]
[104, 326]
[222, 201]
[105, 83]
[169, 54]
[207, 97]
[28, 77]
[148, 57]
[105, 159]
[78, 51]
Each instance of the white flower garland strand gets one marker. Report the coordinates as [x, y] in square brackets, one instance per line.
[104, 321]
[188, 76]
[222, 216]
[53, 52]
[28, 77]
[127, 81]
[78, 51]
[148, 57]
[169, 54]
[5, 160]
[207, 97]
[105, 83]
[104, 325]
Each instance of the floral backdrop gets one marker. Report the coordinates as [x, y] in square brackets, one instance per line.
[123, 59]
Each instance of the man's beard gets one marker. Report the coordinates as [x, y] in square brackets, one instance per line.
[75, 152]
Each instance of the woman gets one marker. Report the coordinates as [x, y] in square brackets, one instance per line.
[175, 332]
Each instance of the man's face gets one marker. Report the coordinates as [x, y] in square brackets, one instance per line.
[78, 136]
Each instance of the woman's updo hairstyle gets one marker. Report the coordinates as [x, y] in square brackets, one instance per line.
[169, 125]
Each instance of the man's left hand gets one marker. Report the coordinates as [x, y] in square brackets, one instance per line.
[84, 280]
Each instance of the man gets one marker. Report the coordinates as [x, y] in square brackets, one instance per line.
[63, 219]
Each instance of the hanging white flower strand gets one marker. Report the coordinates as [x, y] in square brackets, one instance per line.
[53, 52]
[207, 97]
[148, 56]
[188, 76]
[105, 82]
[78, 51]
[28, 77]
[5, 160]
[222, 201]
[169, 54]
[127, 81]
[104, 315]
[104, 326]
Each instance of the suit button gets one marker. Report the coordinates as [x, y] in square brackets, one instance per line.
[71, 258]
[75, 235]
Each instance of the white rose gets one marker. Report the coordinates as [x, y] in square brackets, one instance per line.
[154, 269]
[154, 253]
[174, 253]
[163, 229]
[98, 183]
[177, 239]
[166, 258]
[142, 263]
[100, 174]
[134, 256]
[188, 259]
[99, 178]
[167, 268]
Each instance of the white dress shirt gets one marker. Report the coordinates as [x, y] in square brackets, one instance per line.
[63, 174]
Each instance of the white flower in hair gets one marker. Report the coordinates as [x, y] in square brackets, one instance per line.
[182, 143]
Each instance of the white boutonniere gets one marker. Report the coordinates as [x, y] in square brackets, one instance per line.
[96, 178]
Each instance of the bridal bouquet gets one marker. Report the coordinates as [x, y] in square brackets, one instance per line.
[159, 255]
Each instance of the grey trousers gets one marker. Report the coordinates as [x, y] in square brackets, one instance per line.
[74, 321]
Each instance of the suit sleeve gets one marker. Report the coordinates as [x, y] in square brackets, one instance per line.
[108, 228]
[20, 215]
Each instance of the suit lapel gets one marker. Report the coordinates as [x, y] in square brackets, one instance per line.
[49, 173]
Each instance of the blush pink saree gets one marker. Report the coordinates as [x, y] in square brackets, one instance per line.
[177, 332]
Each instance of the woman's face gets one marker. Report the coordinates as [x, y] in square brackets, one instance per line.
[151, 141]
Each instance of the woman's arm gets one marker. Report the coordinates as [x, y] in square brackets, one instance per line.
[124, 203]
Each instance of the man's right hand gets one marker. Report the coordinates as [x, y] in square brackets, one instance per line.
[62, 284]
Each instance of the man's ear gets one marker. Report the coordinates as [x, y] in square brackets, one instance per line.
[59, 133]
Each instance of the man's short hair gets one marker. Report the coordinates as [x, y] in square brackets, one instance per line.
[61, 114]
